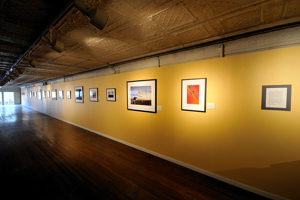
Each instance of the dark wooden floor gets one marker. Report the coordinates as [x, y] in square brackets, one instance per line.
[44, 158]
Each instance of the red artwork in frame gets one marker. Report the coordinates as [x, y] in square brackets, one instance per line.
[192, 94]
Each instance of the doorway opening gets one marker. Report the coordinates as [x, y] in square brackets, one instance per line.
[9, 98]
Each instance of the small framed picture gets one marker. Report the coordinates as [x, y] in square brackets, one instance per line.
[53, 94]
[79, 94]
[141, 95]
[39, 94]
[68, 94]
[48, 94]
[93, 94]
[30, 94]
[193, 95]
[61, 94]
[111, 94]
[276, 97]
[44, 94]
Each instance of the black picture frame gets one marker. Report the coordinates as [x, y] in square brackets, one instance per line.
[54, 94]
[61, 94]
[39, 94]
[93, 94]
[193, 100]
[44, 94]
[79, 98]
[68, 94]
[147, 100]
[110, 94]
[276, 97]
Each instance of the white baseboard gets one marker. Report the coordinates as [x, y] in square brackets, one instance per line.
[210, 174]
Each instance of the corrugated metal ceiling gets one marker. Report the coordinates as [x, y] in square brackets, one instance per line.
[135, 29]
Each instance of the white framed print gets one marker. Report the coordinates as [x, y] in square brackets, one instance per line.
[111, 94]
[61, 94]
[44, 94]
[193, 94]
[93, 94]
[276, 97]
[79, 94]
[68, 94]
[141, 95]
[53, 94]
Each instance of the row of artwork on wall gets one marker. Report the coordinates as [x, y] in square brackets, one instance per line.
[142, 95]
[93, 94]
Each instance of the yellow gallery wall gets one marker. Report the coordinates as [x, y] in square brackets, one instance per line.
[237, 140]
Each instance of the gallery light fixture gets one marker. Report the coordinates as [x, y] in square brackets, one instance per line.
[15, 72]
[11, 74]
[97, 17]
[55, 44]
[7, 78]
[19, 70]
[13, 77]
[32, 63]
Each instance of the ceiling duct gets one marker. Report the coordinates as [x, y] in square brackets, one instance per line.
[97, 17]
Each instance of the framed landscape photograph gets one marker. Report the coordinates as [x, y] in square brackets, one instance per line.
[79, 94]
[68, 94]
[53, 94]
[48, 94]
[276, 97]
[93, 94]
[141, 95]
[61, 94]
[39, 94]
[193, 94]
[111, 94]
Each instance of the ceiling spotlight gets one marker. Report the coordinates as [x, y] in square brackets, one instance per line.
[96, 16]
[55, 45]
[16, 74]
[11, 74]
[20, 70]
[32, 63]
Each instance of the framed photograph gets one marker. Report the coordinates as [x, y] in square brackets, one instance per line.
[93, 94]
[68, 94]
[30, 94]
[111, 94]
[39, 94]
[141, 95]
[61, 94]
[276, 97]
[53, 94]
[79, 94]
[193, 94]
[48, 94]
[44, 94]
